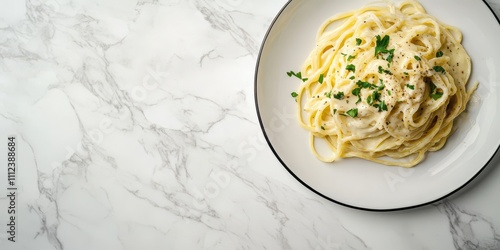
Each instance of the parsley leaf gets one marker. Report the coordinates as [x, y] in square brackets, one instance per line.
[351, 67]
[418, 58]
[438, 69]
[339, 96]
[412, 87]
[321, 78]
[358, 41]
[433, 93]
[369, 100]
[436, 96]
[334, 111]
[352, 113]
[357, 92]
[382, 107]
[439, 54]
[294, 94]
[381, 48]
[352, 77]
[382, 70]
[298, 75]
[381, 44]
[349, 58]
[391, 55]
[365, 85]
[388, 92]
[382, 85]
[406, 73]
[328, 94]
[322, 128]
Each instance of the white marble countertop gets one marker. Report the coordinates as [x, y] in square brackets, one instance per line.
[136, 128]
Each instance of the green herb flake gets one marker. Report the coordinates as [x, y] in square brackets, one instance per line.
[433, 93]
[343, 54]
[369, 100]
[412, 87]
[436, 95]
[296, 74]
[406, 73]
[351, 67]
[322, 128]
[349, 58]
[365, 85]
[389, 92]
[439, 54]
[352, 113]
[294, 94]
[382, 85]
[438, 69]
[339, 96]
[321, 77]
[334, 111]
[357, 92]
[418, 58]
[390, 56]
[382, 107]
[381, 44]
[352, 77]
[376, 96]
[358, 41]
[382, 70]
[328, 94]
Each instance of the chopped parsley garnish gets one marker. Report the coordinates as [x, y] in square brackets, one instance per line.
[381, 47]
[358, 41]
[382, 70]
[357, 92]
[349, 58]
[388, 92]
[406, 73]
[382, 107]
[439, 54]
[365, 85]
[339, 96]
[412, 87]
[351, 67]
[418, 58]
[436, 95]
[390, 56]
[323, 128]
[298, 75]
[328, 94]
[375, 96]
[382, 85]
[352, 77]
[343, 54]
[294, 94]
[352, 112]
[433, 93]
[334, 111]
[321, 78]
[438, 69]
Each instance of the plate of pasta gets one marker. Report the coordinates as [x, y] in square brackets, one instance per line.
[383, 105]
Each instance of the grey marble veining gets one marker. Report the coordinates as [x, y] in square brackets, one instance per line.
[136, 129]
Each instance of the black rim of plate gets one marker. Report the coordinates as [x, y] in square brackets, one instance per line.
[261, 123]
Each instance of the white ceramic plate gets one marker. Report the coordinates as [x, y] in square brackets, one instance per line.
[358, 183]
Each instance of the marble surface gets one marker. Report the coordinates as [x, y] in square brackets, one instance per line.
[136, 129]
